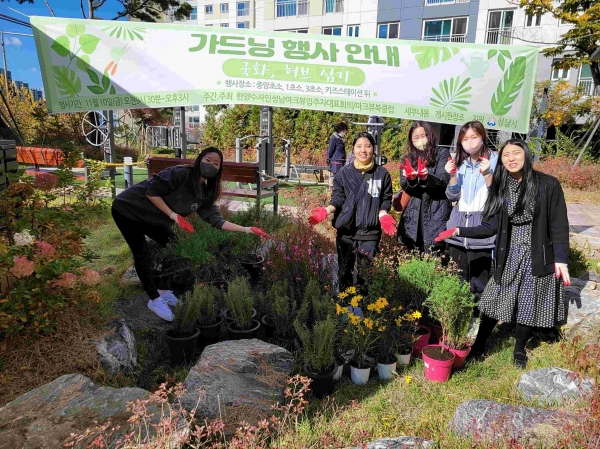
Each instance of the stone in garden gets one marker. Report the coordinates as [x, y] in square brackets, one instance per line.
[583, 302]
[398, 443]
[46, 417]
[117, 351]
[553, 385]
[237, 373]
[591, 275]
[130, 276]
[492, 420]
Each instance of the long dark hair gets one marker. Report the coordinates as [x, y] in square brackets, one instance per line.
[367, 136]
[211, 191]
[430, 152]
[477, 128]
[498, 192]
[341, 126]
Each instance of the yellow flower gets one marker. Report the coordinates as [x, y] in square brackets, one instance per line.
[369, 323]
[408, 379]
[400, 308]
[382, 328]
[339, 310]
[371, 307]
[358, 298]
[417, 315]
[351, 290]
[342, 295]
[382, 302]
[399, 321]
[354, 319]
[354, 302]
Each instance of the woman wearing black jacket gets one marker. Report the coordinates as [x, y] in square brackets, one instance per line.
[361, 199]
[148, 208]
[526, 209]
[423, 177]
[336, 152]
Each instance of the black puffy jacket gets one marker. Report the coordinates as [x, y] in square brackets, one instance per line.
[428, 202]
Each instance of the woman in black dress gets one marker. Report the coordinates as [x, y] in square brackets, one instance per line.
[526, 209]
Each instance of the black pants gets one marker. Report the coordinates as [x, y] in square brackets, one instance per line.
[475, 266]
[135, 233]
[350, 251]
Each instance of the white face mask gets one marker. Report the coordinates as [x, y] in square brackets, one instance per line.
[420, 144]
[472, 146]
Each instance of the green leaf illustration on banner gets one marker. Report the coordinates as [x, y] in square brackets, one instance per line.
[113, 91]
[61, 45]
[126, 32]
[88, 43]
[501, 62]
[93, 76]
[452, 94]
[492, 53]
[83, 62]
[503, 55]
[105, 81]
[74, 30]
[67, 81]
[96, 90]
[506, 54]
[428, 55]
[509, 86]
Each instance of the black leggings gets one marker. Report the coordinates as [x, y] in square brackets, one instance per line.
[486, 327]
[349, 250]
[135, 232]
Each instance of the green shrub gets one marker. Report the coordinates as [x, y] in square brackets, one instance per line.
[240, 301]
[283, 309]
[187, 312]
[416, 278]
[207, 297]
[315, 306]
[578, 261]
[318, 344]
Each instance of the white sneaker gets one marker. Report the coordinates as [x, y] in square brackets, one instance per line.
[168, 296]
[161, 308]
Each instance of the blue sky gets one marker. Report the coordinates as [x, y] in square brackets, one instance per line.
[21, 56]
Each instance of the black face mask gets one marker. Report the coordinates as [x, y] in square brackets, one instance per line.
[208, 171]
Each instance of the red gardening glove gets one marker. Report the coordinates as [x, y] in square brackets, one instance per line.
[445, 235]
[388, 224]
[317, 215]
[409, 170]
[260, 232]
[422, 169]
[184, 224]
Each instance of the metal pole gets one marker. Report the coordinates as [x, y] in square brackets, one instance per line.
[183, 139]
[288, 158]
[238, 150]
[128, 172]
[4, 62]
[541, 124]
[587, 142]
[111, 136]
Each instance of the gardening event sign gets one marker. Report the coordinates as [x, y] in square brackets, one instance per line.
[98, 65]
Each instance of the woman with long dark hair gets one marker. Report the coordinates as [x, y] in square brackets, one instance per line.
[336, 152]
[470, 177]
[423, 177]
[360, 202]
[149, 207]
[526, 210]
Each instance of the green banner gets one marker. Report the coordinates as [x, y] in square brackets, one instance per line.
[98, 65]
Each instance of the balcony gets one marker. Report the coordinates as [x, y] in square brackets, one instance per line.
[333, 6]
[446, 38]
[241, 12]
[587, 87]
[291, 8]
[499, 36]
[444, 2]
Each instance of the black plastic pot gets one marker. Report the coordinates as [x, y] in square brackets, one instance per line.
[284, 342]
[210, 334]
[242, 334]
[253, 264]
[267, 328]
[322, 383]
[182, 348]
[229, 318]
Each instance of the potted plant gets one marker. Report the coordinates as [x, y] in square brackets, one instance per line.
[448, 301]
[318, 354]
[181, 338]
[408, 333]
[284, 310]
[455, 339]
[249, 258]
[209, 319]
[388, 337]
[240, 301]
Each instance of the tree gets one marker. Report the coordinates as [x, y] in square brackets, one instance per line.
[576, 46]
[565, 104]
[143, 10]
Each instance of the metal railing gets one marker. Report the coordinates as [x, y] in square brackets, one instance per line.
[333, 6]
[241, 12]
[587, 86]
[291, 8]
[446, 38]
[444, 2]
[499, 36]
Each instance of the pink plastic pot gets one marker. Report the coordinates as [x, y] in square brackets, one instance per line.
[437, 370]
[436, 334]
[459, 356]
[421, 342]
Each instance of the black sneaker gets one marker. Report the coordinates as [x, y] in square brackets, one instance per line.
[520, 360]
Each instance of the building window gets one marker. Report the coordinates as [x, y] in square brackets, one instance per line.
[243, 24]
[208, 9]
[337, 31]
[194, 121]
[298, 31]
[224, 8]
[560, 74]
[586, 81]
[533, 21]
[224, 25]
[447, 30]
[388, 31]
[333, 6]
[291, 8]
[243, 9]
[194, 14]
[196, 108]
[353, 30]
[500, 27]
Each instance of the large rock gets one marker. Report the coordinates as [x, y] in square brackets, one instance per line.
[46, 417]
[130, 277]
[237, 373]
[583, 302]
[553, 385]
[117, 351]
[491, 420]
[398, 443]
